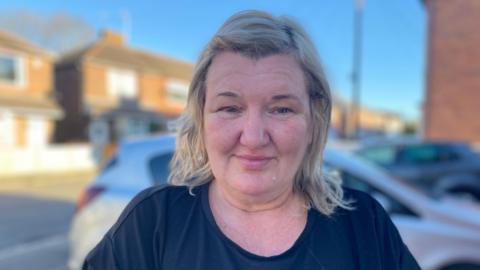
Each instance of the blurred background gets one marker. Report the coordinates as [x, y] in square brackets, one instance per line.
[77, 78]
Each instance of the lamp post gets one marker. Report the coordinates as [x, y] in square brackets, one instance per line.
[357, 64]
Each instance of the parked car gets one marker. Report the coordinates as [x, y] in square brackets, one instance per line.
[440, 234]
[438, 167]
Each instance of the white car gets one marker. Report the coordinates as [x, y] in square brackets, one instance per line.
[441, 233]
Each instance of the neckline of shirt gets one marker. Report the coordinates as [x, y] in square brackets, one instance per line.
[214, 226]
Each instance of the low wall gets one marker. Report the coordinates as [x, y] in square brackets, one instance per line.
[51, 159]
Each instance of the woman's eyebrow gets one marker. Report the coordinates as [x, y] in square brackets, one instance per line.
[274, 98]
[285, 96]
[227, 94]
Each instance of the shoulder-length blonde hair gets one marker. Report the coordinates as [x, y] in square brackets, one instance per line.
[258, 34]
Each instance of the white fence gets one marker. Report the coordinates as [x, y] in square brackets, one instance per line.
[50, 159]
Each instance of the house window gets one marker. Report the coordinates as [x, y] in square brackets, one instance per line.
[122, 83]
[12, 69]
[177, 92]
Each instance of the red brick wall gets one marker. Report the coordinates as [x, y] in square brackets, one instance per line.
[94, 81]
[452, 107]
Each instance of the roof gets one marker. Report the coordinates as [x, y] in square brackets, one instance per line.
[127, 57]
[13, 42]
[31, 104]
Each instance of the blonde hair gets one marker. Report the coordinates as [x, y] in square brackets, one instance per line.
[258, 34]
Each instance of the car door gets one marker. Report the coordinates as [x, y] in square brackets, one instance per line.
[421, 164]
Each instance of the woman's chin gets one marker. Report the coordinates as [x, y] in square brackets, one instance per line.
[253, 187]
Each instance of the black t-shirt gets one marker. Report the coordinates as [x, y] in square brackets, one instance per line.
[168, 228]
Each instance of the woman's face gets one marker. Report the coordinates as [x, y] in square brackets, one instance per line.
[256, 123]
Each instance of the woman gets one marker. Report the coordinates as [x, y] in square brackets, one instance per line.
[247, 187]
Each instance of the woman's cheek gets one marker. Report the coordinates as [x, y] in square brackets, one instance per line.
[291, 132]
[220, 132]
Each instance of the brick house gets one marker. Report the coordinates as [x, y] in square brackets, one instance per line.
[452, 103]
[110, 91]
[27, 107]
[380, 122]
[371, 121]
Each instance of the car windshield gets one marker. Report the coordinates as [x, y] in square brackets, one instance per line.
[159, 168]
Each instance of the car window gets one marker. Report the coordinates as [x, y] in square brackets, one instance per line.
[159, 168]
[379, 155]
[420, 154]
[391, 205]
[447, 153]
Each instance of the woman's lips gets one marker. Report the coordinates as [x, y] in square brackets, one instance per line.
[251, 162]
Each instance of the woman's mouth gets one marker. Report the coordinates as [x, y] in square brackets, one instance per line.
[254, 162]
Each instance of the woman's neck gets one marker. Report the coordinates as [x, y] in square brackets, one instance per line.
[267, 229]
[251, 204]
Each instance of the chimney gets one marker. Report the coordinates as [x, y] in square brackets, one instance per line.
[112, 38]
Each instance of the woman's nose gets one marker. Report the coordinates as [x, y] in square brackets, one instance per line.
[254, 131]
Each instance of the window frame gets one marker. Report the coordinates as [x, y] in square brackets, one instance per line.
[118, 77]
[19, 67]
[177, 92]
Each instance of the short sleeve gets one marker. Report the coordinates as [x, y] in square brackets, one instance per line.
[398, 255]
[102, 257]
[133, 241]
[377, 241]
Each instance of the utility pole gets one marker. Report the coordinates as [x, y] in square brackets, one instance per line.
[357, 64]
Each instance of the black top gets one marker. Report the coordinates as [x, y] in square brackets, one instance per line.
[168, 228]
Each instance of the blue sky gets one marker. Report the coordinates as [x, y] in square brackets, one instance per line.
[394, 40]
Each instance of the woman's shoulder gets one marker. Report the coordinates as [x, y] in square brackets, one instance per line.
[163, 192]
[160, 194]
[153, 204]
[361, 202]
[369, 221]
[372, 231]
[140, 230]
[365, 213]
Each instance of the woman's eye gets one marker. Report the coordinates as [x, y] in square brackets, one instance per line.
[282, 110]
[229, 109]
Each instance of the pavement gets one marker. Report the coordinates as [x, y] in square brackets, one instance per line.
[35, 215]
[22, 182]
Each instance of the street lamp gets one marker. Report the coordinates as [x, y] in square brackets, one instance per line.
[357, 64]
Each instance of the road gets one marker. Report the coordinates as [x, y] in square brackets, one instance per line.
[34, 222]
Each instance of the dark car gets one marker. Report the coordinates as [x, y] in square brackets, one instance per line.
[437, 167]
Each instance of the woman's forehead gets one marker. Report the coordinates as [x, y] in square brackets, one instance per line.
[235, 72]
[231, 62]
